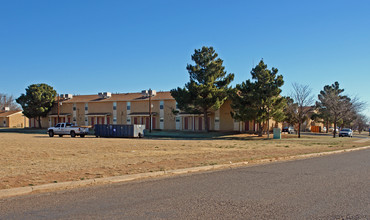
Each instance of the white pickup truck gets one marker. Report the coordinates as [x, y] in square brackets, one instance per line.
[67, 129]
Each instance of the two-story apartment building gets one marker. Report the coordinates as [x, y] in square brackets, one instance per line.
[133, 108]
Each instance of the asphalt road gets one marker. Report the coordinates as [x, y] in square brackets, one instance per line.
[330, 187]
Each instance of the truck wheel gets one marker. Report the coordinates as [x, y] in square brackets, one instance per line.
[51, 133]
[73, 134]
[82, 135]
[60, 135]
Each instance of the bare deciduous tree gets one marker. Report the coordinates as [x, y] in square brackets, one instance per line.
[300, 107]
[8, 101]
[360, 123]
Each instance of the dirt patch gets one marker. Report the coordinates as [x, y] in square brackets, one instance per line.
[34, 159]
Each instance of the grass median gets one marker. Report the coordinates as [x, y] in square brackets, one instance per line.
[35, 159]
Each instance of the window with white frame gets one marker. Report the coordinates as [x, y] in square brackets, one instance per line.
[128, 105]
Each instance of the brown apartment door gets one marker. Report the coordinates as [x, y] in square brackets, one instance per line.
[153, 122]
[200, 123]
[147, 122]
[186, 123]
[247, 126]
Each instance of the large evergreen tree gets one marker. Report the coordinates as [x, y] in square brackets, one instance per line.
[259, 99]
[37, 101]
[333, 103]
[208, 85]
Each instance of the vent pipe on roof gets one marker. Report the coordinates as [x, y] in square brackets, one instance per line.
[68, 96]
[6, 108]
[147, 93]
[105, 95]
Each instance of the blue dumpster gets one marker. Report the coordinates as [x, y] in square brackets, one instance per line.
[119, 130]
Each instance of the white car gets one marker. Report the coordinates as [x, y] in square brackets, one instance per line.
[67, 129]
[345, 132]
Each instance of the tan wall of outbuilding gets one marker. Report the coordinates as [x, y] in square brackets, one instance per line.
[4, 122]
[17, 121]
[226, 121]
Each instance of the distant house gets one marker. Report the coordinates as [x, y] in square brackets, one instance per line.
[13, 119]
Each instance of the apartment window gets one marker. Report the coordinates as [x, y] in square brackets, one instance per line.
[161, 120]
[177, 119]
[86, 107]
[114, 119]
[161, 105]
[177, 106]
[74, 119]
[128, 106]
[128, 120]
[114, 105]
[74, 108]
[217, 119]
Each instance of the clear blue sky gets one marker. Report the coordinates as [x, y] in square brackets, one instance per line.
[86, 47]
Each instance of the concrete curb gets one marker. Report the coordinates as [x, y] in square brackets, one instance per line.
[118, 179]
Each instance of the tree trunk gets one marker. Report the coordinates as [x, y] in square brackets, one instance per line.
[39, 121]
[299, 129]
[335, 127]
[206, 120]
[260, 128]
[327, 126]
[268, 123]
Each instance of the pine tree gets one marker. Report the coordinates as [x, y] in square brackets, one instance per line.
[37, 101]
[259, 99]
[208, 85]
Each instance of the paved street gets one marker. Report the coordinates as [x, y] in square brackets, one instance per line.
[330, 187]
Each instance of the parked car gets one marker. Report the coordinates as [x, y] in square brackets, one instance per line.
[67, 129]
[345, 132]
[323, 130]
[289, 130]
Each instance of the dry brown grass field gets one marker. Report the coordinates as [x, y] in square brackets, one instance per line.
[35, 159]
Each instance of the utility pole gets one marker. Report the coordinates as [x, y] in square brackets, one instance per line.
[150, 91]
[58, 110]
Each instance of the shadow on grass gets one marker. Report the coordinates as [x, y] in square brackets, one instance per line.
[23, 130]
[191, 135]
[64, 136]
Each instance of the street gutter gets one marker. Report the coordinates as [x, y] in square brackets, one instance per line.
[126, 178]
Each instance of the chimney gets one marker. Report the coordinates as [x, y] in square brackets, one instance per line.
[6, 109]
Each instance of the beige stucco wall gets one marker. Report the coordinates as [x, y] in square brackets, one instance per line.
[17, 121]
[4, 122]
[169, 117]
[226, 121]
